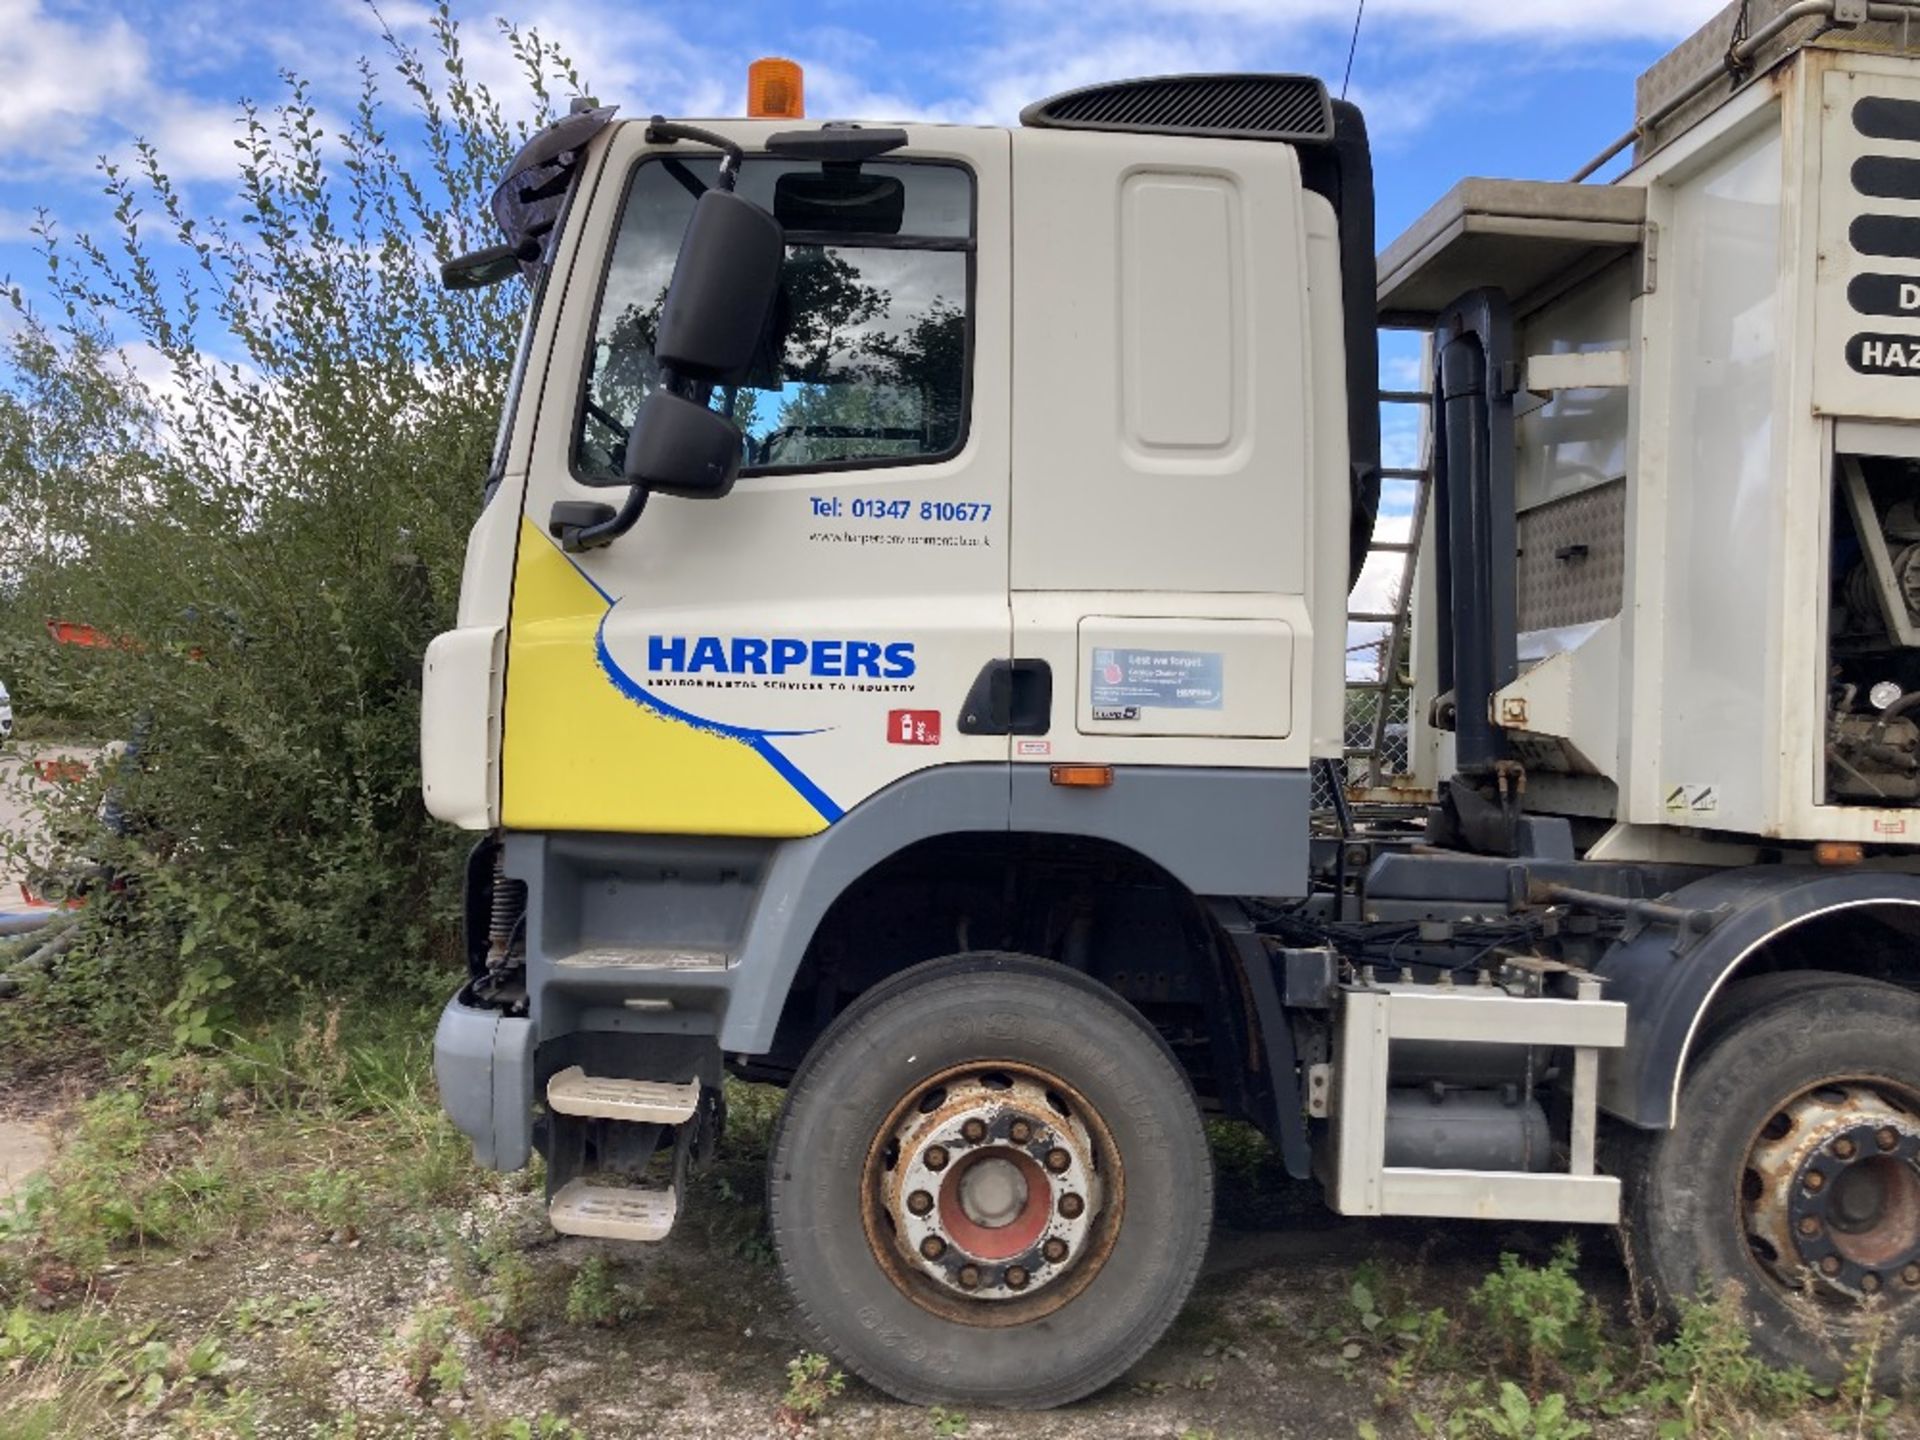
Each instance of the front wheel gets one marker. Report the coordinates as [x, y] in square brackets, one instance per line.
[1793, 1173]
[990, 1184]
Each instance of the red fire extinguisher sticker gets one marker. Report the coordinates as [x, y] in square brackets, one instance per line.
[913, 727]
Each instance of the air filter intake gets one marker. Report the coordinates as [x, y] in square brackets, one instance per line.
[1291, 108]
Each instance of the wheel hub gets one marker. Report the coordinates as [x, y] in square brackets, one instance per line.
[994, 1192]
[1833, 1188]
[993, 1188]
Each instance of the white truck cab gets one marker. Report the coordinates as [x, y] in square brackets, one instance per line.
[908, 616]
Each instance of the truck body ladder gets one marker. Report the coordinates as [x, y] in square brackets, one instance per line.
[1374, 753]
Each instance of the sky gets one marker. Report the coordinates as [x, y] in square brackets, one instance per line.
[1529, 89]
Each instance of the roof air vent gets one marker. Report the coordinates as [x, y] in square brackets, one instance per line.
[1292, 108]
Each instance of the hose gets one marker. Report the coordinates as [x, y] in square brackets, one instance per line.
[1739, 55]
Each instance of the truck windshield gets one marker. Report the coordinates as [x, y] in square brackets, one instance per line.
[871, 336]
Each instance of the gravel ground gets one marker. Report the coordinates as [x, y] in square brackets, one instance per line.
[1269, 1346]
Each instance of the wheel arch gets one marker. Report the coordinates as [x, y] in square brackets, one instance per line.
[1105, 914]
[1766, 919]
[1205, 833]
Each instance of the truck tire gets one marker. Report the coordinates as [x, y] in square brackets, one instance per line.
[990, 1185]
[1793, 1173]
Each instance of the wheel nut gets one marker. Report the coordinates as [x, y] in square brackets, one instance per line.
[1815, 1180]
[1058, 1160]
[974, 1131]
[969, 1277]
[1830, 1265]
[936, 1157]
[920, 1202]
[1870, 1283]
[1055, 1250]
[1071, 1206]
[1020, 1132]
[1809, 1225]
[1888, 1138]
[933, 1247]
[1911, 1274]
[1843, 1147]
[1016, 1278]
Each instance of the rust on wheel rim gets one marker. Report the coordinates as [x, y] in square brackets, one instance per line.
[992, 1194]
[1831, 1192]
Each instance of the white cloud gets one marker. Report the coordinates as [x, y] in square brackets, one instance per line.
[15, 225]
[1035, 66]
[58, 78]
[72, 89]
[194, 138]
[1551, 19]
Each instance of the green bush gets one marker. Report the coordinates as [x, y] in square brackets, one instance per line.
[269, 534]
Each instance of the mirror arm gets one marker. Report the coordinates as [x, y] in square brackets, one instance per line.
[587, 525]
[662, 131]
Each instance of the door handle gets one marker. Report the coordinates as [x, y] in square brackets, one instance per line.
[1009, 697]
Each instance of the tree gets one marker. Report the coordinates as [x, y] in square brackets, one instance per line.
[273, 528]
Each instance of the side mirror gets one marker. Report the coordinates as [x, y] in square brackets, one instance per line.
[712, 325]
[481, 268]
[680, 447]
[723, 289]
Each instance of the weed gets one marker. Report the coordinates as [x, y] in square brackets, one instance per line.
[68, 1338]
[334, 1199]
[1388, 1321]
[1240, 1151]
[514, 1286]
[811, 1383]
[423, 1351]
[96, 1196]
[1867, 1411]
[1707, 1379]
[1515, 1417]
[1540, 1316]
[253, 1315]
[736, 1221]
[159, 1374]
[947, 1423]
[751, 1111]
[545, 1427]
[494, 1285]
[593, 1297]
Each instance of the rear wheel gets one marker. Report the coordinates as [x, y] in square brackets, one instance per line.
[1794, 1173]
[990, 1184]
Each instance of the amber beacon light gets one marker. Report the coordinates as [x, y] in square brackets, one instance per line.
[775, 90]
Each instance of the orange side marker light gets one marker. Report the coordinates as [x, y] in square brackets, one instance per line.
[1087, 777]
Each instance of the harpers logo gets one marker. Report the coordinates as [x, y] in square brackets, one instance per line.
[749, 655]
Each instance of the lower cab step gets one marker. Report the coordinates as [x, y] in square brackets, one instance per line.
[609, 1212]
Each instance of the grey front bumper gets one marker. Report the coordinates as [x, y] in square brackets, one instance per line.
[483, 1064]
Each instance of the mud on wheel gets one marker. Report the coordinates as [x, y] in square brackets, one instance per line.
[990, 1184]
[1793, 1173]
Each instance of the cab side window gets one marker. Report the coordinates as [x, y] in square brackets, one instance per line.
[868, 355]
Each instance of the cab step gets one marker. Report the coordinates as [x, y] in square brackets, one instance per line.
[607, 1212]
[647, 1102]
